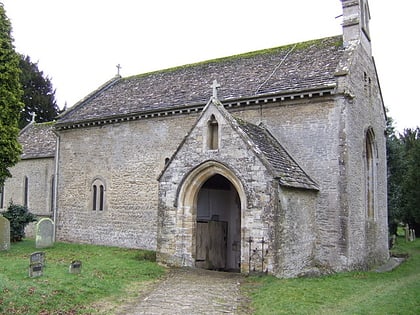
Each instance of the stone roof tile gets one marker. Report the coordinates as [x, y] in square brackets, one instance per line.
[299, 67]
[284, 167]
[38, 140]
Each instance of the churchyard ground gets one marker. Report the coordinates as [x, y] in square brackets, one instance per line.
[109, 276]
[394, 292]
[112, 278]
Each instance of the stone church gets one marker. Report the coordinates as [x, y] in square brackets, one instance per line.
[270, 161]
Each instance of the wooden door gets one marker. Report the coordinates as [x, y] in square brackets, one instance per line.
[211, 245]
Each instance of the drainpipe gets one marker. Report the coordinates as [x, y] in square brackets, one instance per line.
[55, 199]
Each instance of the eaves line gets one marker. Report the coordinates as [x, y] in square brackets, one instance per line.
[195, 108]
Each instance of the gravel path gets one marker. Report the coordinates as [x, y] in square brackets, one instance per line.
[192, 291]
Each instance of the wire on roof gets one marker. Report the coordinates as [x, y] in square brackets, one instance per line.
[275, 69]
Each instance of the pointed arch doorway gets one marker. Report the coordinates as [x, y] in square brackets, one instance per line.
[210, 193]
[218, 225]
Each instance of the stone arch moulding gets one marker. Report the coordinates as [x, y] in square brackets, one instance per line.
[186, 203]
[192, 182]
[97, 178]
[98, 191]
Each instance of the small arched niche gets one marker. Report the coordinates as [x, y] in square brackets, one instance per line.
[212, 133]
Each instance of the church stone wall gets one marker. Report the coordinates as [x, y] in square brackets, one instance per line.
[327, 138]
[309, 130]
[128, 158]
[296, 233]
[284, 218]
[40, 174]
[324, 135]
[177, 218]
[366, 236]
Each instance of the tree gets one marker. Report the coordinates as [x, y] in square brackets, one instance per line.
[10, 99]
[403, 157]
[39, 95]
[395, 175]
[410, 201]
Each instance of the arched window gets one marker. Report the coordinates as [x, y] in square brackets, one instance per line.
[370, 172]
[98, 195]
[26, 192]
[212, 133]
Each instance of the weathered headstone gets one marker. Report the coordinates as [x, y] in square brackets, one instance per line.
[407, 232]
[36, 264]
[44, 233]
[37, 257]
[4, 233]
[412, 235]
[75, 267]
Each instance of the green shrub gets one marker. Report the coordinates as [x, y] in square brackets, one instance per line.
[19, 217]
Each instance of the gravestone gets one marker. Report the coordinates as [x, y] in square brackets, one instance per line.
[407, 232]
[75, 267]
[36, 264]
[44, 233]
[4, 233]
[36, 270]
[37, 257]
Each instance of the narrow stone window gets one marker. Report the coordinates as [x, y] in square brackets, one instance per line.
[26, 192]
[1, 196]
[212, 133]
[98, 201]
[94, 196]
[370, 173]
[101, 197]
[365, 82]
[52, 192]
[367, 85]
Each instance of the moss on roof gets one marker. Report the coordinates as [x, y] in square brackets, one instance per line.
[296, 46]
[303, 66]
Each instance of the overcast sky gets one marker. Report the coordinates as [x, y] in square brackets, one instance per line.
[78, 43]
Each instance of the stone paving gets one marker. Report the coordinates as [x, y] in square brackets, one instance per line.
[192, 291]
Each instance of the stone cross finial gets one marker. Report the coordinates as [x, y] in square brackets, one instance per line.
[118, 69]
[214, 86]
[33, 114]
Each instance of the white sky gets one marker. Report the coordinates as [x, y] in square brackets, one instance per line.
[78, 43]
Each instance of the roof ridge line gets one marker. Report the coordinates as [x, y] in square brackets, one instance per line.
[91, 95]
[238, 55]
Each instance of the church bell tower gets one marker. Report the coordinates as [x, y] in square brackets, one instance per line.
[356, 17]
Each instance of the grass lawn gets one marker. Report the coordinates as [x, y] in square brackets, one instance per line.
[395, 292]
[107, 274]
[111, 276]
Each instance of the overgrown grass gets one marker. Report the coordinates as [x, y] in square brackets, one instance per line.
[395, 292]
[106, 271]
